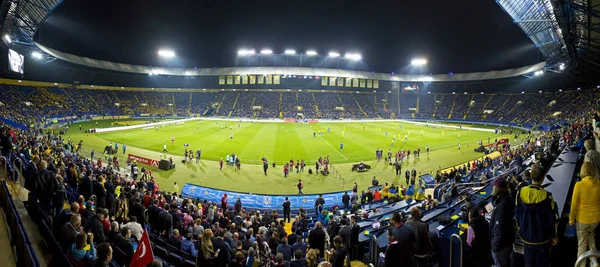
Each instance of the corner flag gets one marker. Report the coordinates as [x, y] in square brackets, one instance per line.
[143, 254]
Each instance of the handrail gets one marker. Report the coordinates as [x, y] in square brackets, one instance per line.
[461, 249]
[5, 166]
[582, 259]
[373, 246]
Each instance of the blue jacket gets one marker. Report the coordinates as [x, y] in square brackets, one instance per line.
[536, 215]
[188, 246]
[81, 255]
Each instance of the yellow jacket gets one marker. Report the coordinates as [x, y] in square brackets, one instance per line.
[585, 204]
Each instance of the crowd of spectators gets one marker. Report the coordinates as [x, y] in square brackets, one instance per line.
[38, 105]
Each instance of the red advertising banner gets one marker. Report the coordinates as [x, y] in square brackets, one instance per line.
[500, 142]
[147, 161]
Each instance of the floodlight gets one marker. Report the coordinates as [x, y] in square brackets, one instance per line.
[561, 66]
[418, 62]
[36, 55]
[352, 56]
[266, 51]
[7, 38]
[539, 72]
[166, 53]
[334, 54]
[290, 52]
[311, 52]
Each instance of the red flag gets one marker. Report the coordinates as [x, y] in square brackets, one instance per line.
[143, 254]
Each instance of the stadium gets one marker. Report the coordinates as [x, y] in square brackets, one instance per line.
[345, 133]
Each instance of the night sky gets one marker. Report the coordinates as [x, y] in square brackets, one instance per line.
[455, 36]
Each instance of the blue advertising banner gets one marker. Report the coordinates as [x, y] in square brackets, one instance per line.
[253, 201]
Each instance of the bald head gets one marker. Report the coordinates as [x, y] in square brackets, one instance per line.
[43, 165]
[76, 220]
[74, 207]
[589, 144]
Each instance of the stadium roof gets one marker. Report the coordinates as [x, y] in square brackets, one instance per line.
[472, 36]
[485, 41]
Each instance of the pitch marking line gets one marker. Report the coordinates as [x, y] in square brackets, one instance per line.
[333, 147]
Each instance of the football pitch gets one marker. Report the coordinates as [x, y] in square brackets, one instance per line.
[281, 142]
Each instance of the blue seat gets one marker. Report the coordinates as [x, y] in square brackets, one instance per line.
[160, 252]
[31, 258]
[119, 256]
[189, 263]
[186, 256]
[175, 260]
[172, 248]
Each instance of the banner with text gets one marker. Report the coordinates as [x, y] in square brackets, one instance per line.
[142, 160]
[252, 201]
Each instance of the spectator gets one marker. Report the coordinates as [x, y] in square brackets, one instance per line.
[114, 232]
[592, 156]
[285, 249]
[299, 245]
[68, 233]
[536, 217]
[402, 242]
[105, 252]
[64, 217]
[122, 242]
[77, 254]
[279, 262]
[94, 225]
[585, 210]
[478, 238]
[135, 227]
[501, 228]
[422, 246]
[299, 259]
[316, 239]
[354, 233]
[208, 252]
[164, 222]
[188, 246]
[340, 253]
[222, 247]
[263, 253]
[174, 239]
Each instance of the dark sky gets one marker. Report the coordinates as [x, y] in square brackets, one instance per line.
[455, 36]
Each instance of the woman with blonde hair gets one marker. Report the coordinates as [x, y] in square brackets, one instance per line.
[585, 209]
[208, 253]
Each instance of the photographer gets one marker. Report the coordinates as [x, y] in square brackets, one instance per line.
[79, 254]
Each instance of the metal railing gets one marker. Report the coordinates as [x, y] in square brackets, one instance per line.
[461, 250]
[583, 258]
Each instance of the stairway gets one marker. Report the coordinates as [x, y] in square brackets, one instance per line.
[190, 103]
[501, 108]
[486, 103]
[436, 105]
[314, 100]
[470, 106]
[359, 107]
[235, 102]
[70, 97]
[220, 103]
[452, 108]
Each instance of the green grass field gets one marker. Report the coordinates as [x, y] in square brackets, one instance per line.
[280, 142]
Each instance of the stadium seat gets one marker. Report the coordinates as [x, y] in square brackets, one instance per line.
[189, 263]
[119, 256]
[175, 260]
[186, 256]
[160, 252]
[172, 248]
[161, 242]
[31, 258]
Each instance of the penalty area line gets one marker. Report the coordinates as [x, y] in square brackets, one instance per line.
[333, 148]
